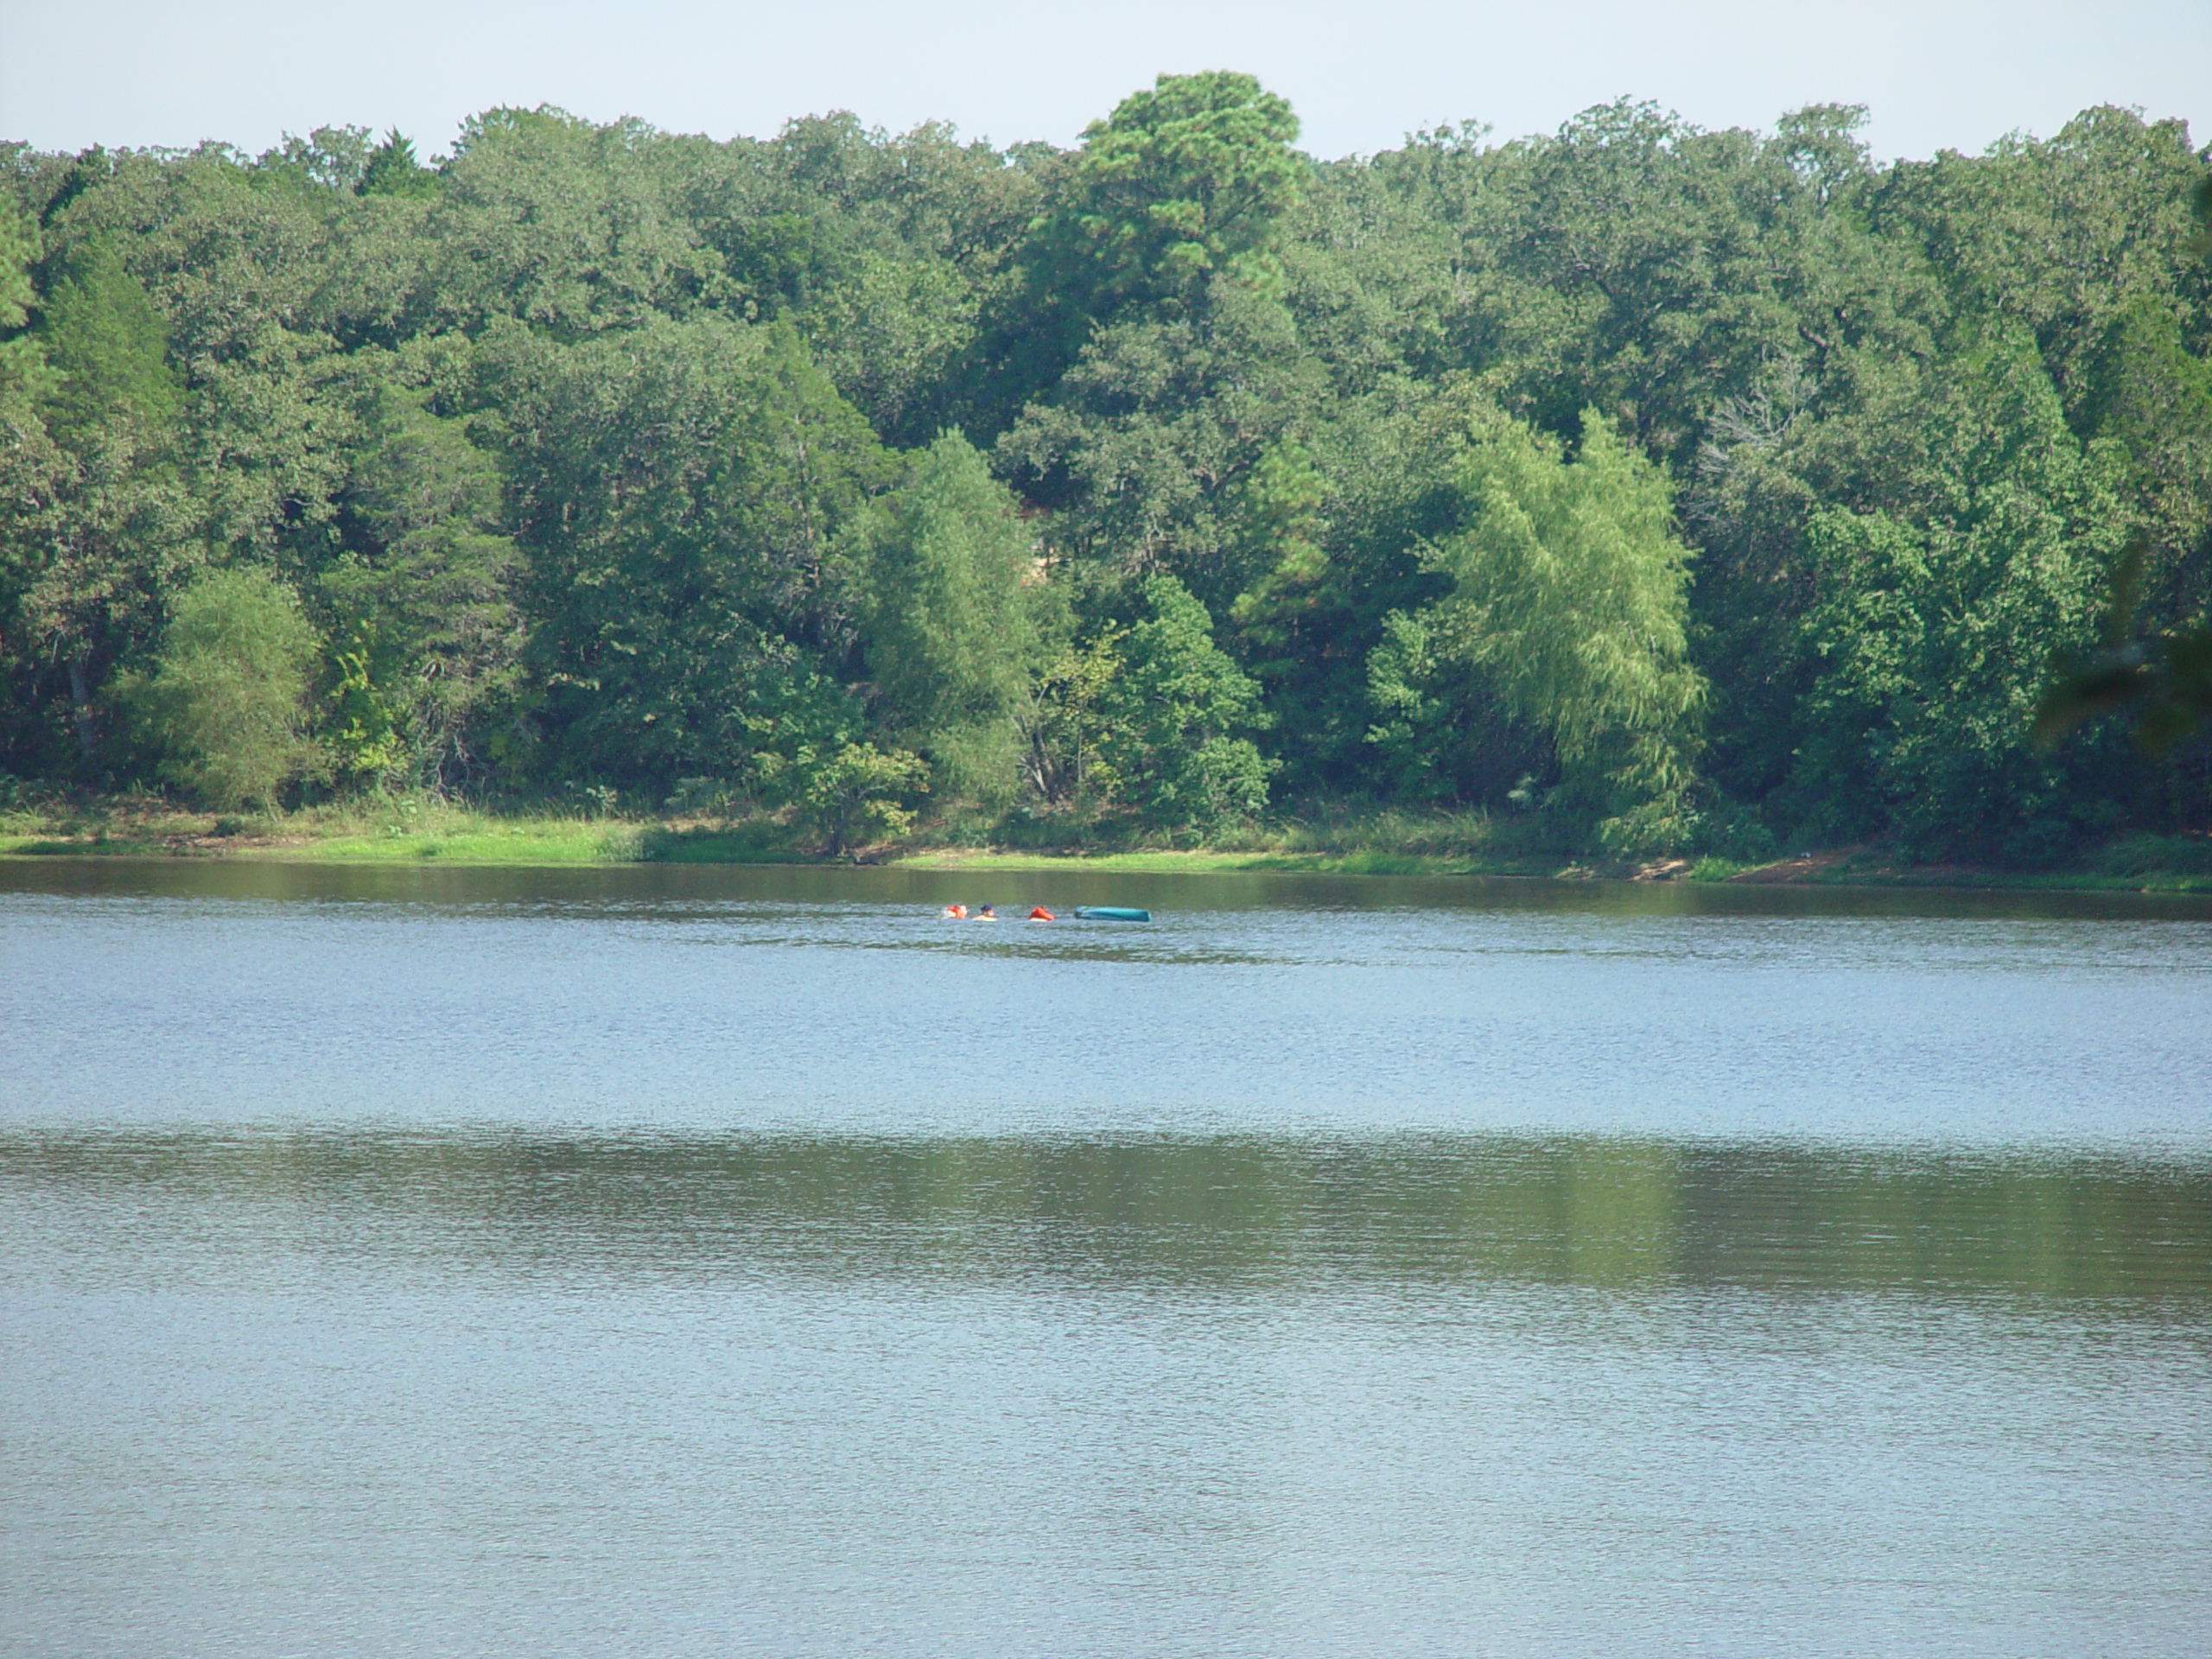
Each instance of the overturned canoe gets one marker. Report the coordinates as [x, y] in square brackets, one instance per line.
[1110, 913]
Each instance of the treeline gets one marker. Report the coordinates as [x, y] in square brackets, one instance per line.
[1674, 489]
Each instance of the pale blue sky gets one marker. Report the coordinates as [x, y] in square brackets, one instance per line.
[1937, 74]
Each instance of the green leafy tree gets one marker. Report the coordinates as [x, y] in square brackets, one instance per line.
[108, 346]
[101, 522]
[2058, 236]
[1308, 631]
[1630, 263]
[695, 500]
[629, 517]
[889, 333]
[1275, 531]
[2151, 396]
[952, 636]
[1183, 185]
[228, 699]
[2155, 656]
[851, 797]
[1938, 618]
[1174, 714]
[1569, 598]
[22, 363]
[1140, 453]
[392, 170]
[31, 466]
[428, 598]
[1440, 731]
[546, 220]
[1065, 724]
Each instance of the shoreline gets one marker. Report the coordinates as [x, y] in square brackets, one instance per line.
[613, 843]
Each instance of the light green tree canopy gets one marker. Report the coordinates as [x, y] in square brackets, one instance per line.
[228, 699]
[1569, 594]
[853, 795]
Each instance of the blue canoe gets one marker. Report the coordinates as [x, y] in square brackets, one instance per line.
[1109, 913]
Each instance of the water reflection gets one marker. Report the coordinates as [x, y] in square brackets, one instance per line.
[1227, 1212]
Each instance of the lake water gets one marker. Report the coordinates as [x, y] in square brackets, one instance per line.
[688, 1261]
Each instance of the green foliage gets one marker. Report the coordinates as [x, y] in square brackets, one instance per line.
[1438, 730]
[107, 345]
[392, 170]
[1634, 263]
[429, 592]
[1064, 724]
[613, 462]
[95, 524]
[2155, 397]
[1568, 600]
[889, 333]
[694, 500]
[1275, 515]
[22, 370]
[952, 639]
[1140, 452]
[545, 219]
[227, 698]
[1184, 184]
[19, 248]
[1937, 622]
[2058, 236]
[1181, 183]
[328, 159]
[1171, 716]
[851, 797]
[2152, 396]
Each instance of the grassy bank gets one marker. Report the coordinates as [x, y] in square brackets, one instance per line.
[359, 832]
[403, 831]
[2132, 864]
[1373, 842]
[1385, 841]
[1210, 859]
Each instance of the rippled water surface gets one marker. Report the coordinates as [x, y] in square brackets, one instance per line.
[702, 1262]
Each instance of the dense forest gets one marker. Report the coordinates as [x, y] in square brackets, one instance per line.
[1669, 489]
